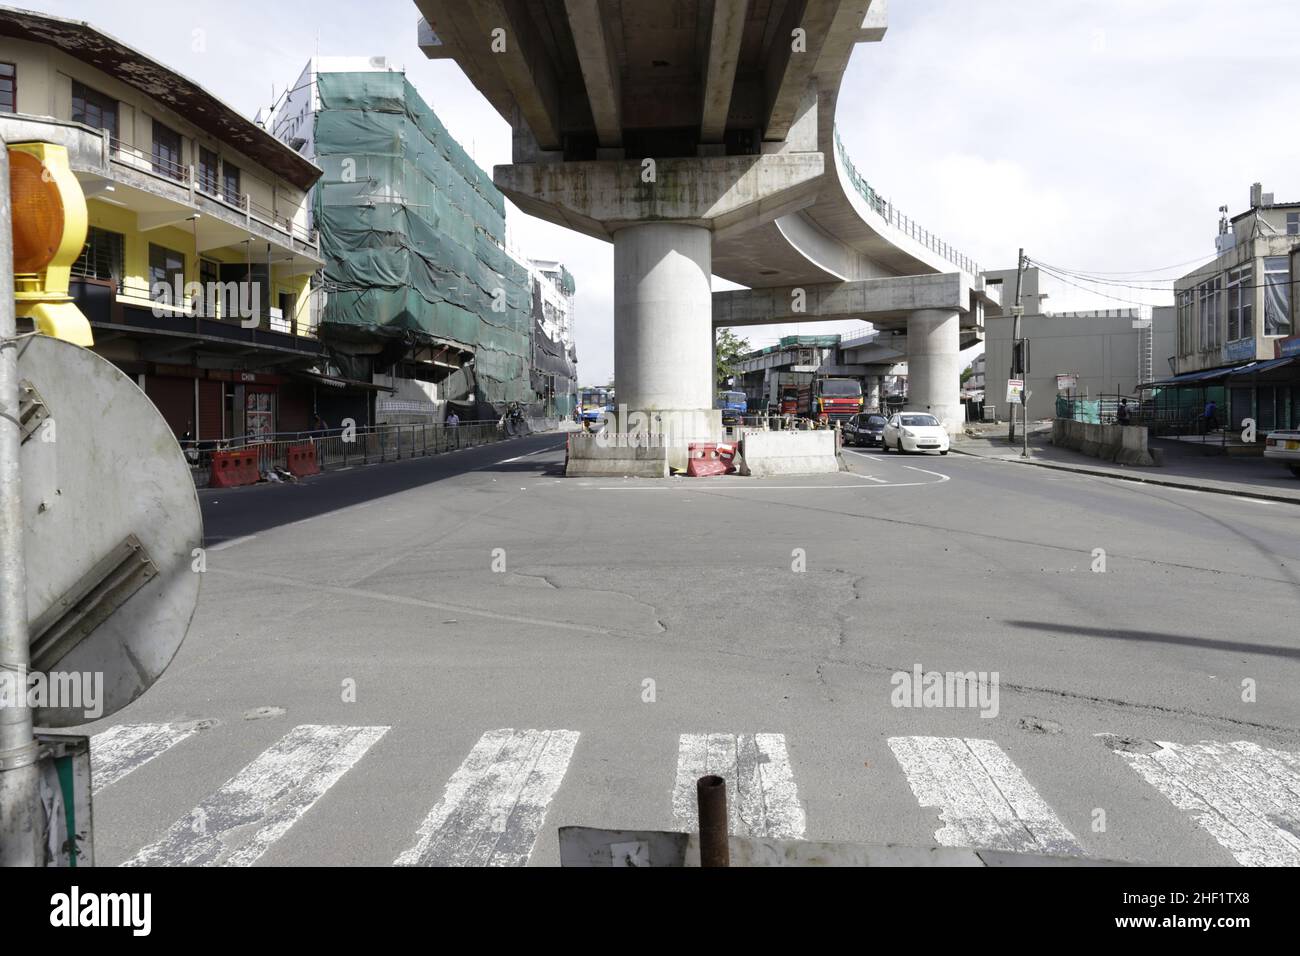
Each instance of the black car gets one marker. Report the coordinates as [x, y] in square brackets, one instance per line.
[865, 429]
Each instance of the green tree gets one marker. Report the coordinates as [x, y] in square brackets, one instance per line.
[728, 349]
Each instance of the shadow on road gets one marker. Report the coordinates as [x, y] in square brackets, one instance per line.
[230, 513]
[1157, 637]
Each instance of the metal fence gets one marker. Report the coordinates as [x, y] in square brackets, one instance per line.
[891, 214]
[1160, 414]
[339, 448]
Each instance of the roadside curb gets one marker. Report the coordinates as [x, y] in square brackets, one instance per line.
[1142, 479]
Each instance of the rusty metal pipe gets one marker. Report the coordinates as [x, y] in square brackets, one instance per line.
[711, 794]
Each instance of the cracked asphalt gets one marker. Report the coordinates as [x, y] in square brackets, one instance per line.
[469, 592]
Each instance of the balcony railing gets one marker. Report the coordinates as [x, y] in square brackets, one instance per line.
[887, 211]
[186, 176]
[302, 324]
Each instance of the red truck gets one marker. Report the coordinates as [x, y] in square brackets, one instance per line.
[829, 399]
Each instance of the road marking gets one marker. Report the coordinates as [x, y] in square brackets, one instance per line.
[116, 752]
[762, 799]
[942, 478]
[881, 481]
[982, 797]
[527, 455]
[495, 803]
[863, 455]
[230, 543]
[239, 822]
[1246, 796]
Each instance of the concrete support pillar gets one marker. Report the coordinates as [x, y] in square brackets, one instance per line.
[663, 330]
[872, 398]
[933, 356]
[663, 316]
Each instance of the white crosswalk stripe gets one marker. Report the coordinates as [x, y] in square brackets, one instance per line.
[494, 806]
[983, 799]
[239, 822]
[116, 752]
[1246, 796]
[762, 799]
[495, 803]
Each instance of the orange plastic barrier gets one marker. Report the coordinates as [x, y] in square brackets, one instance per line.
[704, 461]
[230, 469]
[302, 460]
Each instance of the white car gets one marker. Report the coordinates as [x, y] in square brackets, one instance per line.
[1284, 445]
[915, 431]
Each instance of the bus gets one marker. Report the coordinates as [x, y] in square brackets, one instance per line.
[594, 402]
[734, 404]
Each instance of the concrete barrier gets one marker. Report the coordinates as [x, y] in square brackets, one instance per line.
[589, 457]
[1123, 444]
[765, 454]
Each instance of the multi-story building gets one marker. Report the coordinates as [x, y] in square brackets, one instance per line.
[195, 272]
[421, 294]
[1237, 340]
[555, 358]
[1101, 351]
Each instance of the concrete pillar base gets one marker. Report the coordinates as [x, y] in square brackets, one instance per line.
[933, 357]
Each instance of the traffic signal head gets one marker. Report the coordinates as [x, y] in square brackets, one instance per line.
[48, 211]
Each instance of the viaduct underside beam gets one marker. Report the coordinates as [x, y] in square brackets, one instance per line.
[872, 300]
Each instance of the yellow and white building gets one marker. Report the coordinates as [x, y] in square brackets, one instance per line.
[183, 193]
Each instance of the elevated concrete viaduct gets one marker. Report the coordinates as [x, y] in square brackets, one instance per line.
[698, 136]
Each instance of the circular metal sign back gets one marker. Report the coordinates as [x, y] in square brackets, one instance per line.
[111, 525]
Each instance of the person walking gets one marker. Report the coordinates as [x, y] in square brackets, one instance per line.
[1122, 413]
[1211, 416]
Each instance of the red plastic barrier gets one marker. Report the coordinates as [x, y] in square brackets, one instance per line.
[727, 455]
[230, 469]
[302, 460]
[704, 461]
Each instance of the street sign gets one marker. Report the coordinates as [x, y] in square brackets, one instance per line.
[1067, 382]
[112, 533]
[1015, 386]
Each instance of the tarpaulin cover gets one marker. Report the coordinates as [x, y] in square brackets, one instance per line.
[412, 233]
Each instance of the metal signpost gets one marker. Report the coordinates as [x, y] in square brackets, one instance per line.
[20, 832]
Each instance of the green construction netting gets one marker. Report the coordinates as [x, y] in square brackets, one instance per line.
[412, 232]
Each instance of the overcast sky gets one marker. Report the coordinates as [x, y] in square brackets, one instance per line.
[1101, 136]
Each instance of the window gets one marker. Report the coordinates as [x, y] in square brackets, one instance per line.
[1277, 296]
[209, 304]
[8, 88]
[1241, 303]
[1186, 330]
[230, 184]
[1210, 296]
[208, 175]
[94, 109]
[1293, 224]
[102, 257]
[167, 152]
[288, 308]
[166, 275]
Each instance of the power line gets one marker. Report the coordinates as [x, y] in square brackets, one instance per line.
[1138, 273]
[1058, 275]
[1093, 291]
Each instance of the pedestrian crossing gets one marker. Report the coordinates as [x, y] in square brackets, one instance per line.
[494, 808]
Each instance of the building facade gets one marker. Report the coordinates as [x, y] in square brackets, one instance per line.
[1237, 341]
[421, 294]
[195, 272]
[1103, 351]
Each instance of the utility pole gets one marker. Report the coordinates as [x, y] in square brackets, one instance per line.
[1017, 312]
[20, 824]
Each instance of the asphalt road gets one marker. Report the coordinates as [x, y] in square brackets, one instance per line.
[444, 660]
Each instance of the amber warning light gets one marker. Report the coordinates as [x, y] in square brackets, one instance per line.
[49, 230]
